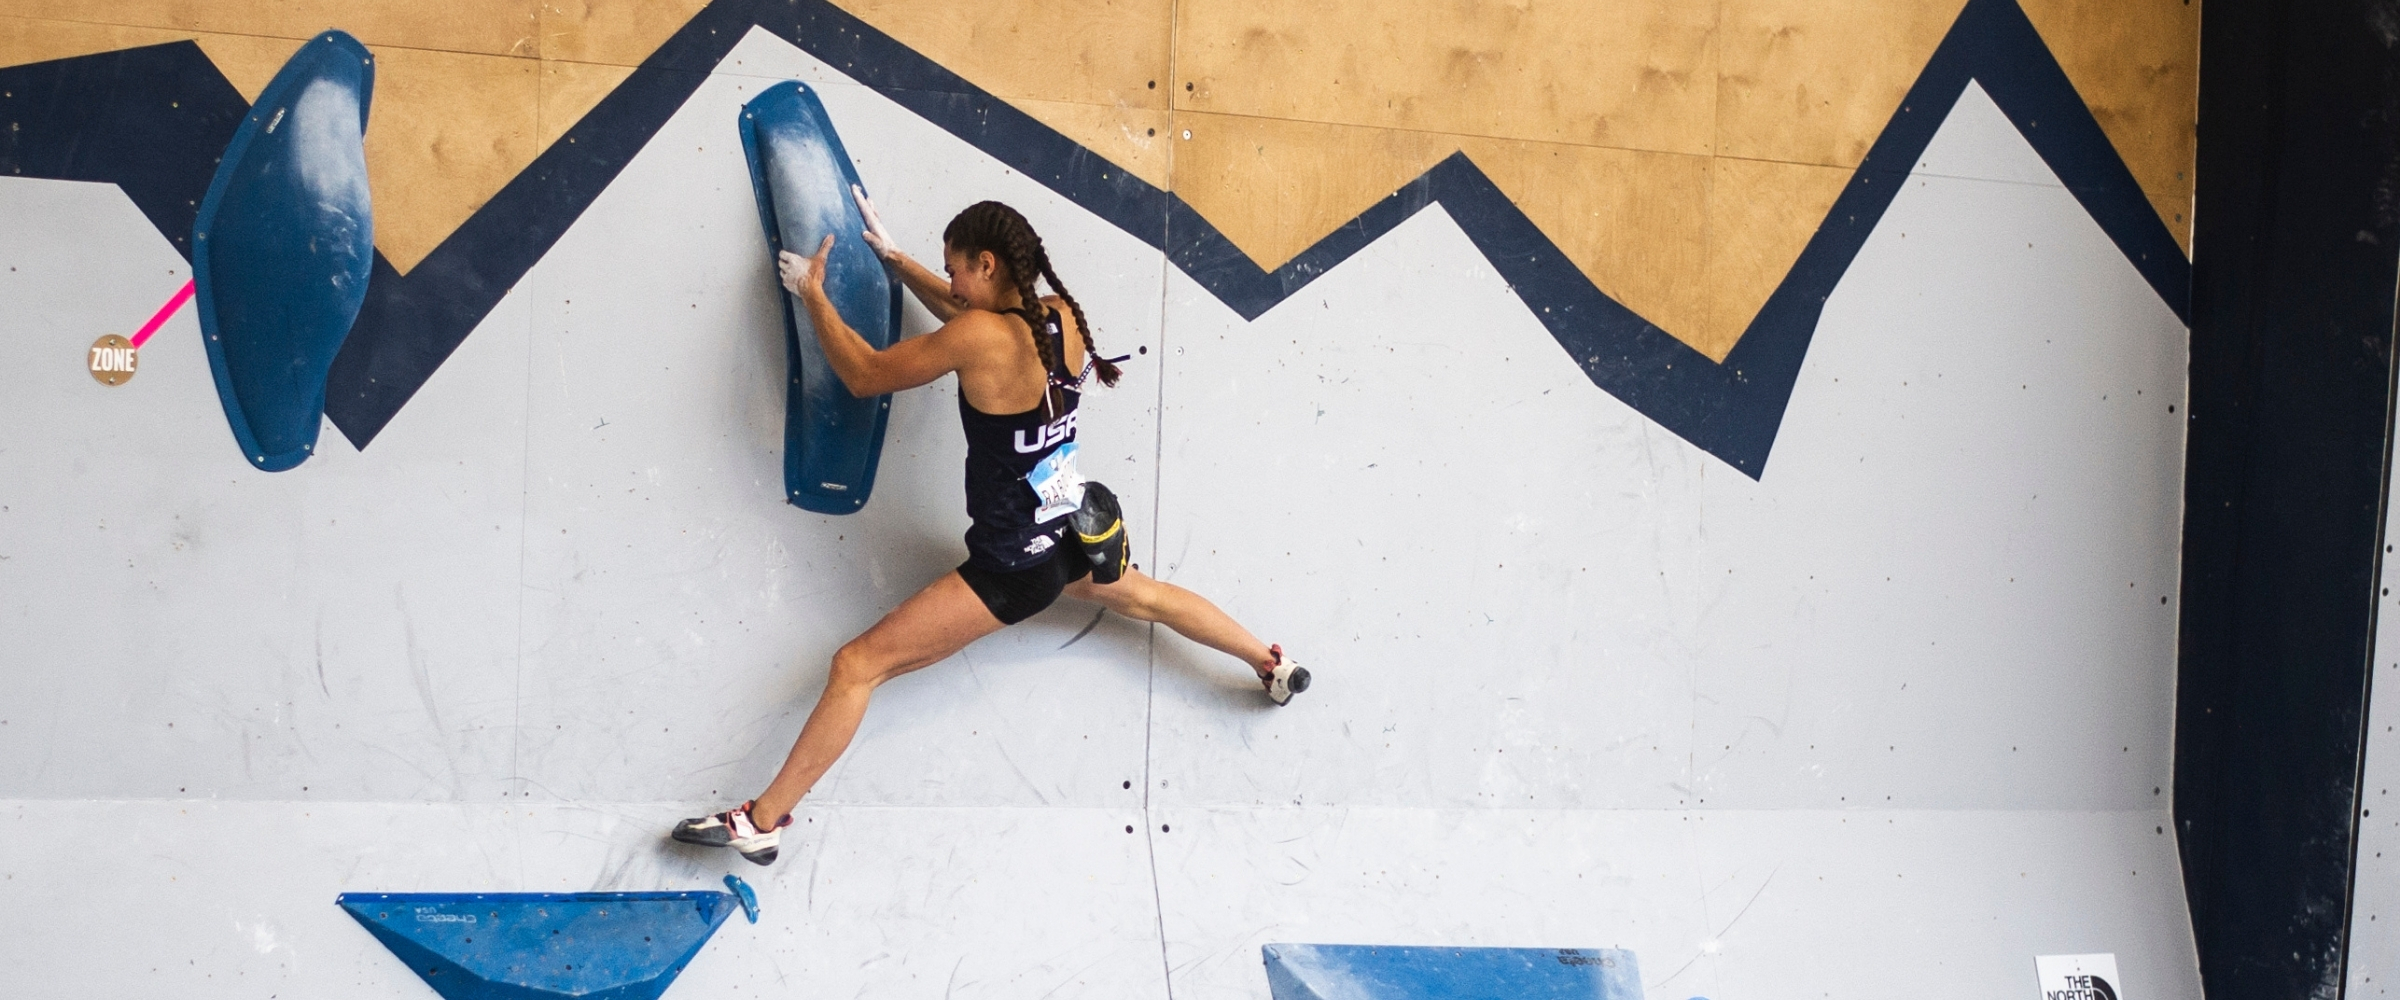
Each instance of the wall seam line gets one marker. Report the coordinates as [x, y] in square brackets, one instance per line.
[1158, 451]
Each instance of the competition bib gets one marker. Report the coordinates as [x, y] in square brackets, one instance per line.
[1056, 482]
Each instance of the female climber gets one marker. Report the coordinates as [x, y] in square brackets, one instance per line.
[1038, 531]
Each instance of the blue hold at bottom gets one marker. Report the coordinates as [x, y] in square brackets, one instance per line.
[1384, 972]
[543, 946]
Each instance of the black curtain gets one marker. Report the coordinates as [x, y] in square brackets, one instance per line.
[2293, 267]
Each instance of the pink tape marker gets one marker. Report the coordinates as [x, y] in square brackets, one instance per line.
[182, 295]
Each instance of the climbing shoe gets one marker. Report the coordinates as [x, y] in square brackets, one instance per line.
[733, 828]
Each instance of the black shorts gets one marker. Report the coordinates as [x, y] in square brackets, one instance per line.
[1014, 597]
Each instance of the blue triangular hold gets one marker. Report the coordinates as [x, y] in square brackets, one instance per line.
[543, 946]
[1384, 972]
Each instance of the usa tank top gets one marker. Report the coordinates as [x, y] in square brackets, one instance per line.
[1021, 477]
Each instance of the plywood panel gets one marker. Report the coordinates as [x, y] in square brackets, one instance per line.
[1095, 70]
[1103, 52]
[1275, 187]
[1596, 120]
[248, 61]
[31, 39]
[1132, 138]
[1634, 222]
[1631, 75]
[1761, 214]
[1813, 82]
[616, 32]
[447, 131]
[497, 27]
[571, 90]
[2136, 63]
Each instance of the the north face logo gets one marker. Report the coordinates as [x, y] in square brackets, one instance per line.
[2078, 977]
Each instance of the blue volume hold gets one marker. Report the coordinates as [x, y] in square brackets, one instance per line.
[741, 890]
[540, 946]
[282, 248]
[802, 175]
[1382, 972]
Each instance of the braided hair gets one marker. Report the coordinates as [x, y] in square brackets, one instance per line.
[989, 226]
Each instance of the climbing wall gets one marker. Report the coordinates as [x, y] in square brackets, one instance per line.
[1888, 712]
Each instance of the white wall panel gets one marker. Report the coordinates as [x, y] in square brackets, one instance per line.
[1954, 562]
[679, 616]
[1887, 722]
[186, 625]
[2373, 956]
[236, 898]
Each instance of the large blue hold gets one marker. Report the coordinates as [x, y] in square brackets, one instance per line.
[543, 946]
[802, 175]
[1383, 972]
[283, 246]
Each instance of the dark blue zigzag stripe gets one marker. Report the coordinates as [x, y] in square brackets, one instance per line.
[100, 118]
[150, 120]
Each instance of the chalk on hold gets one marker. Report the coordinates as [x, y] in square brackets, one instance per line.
[285, 247]
[805, 181]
